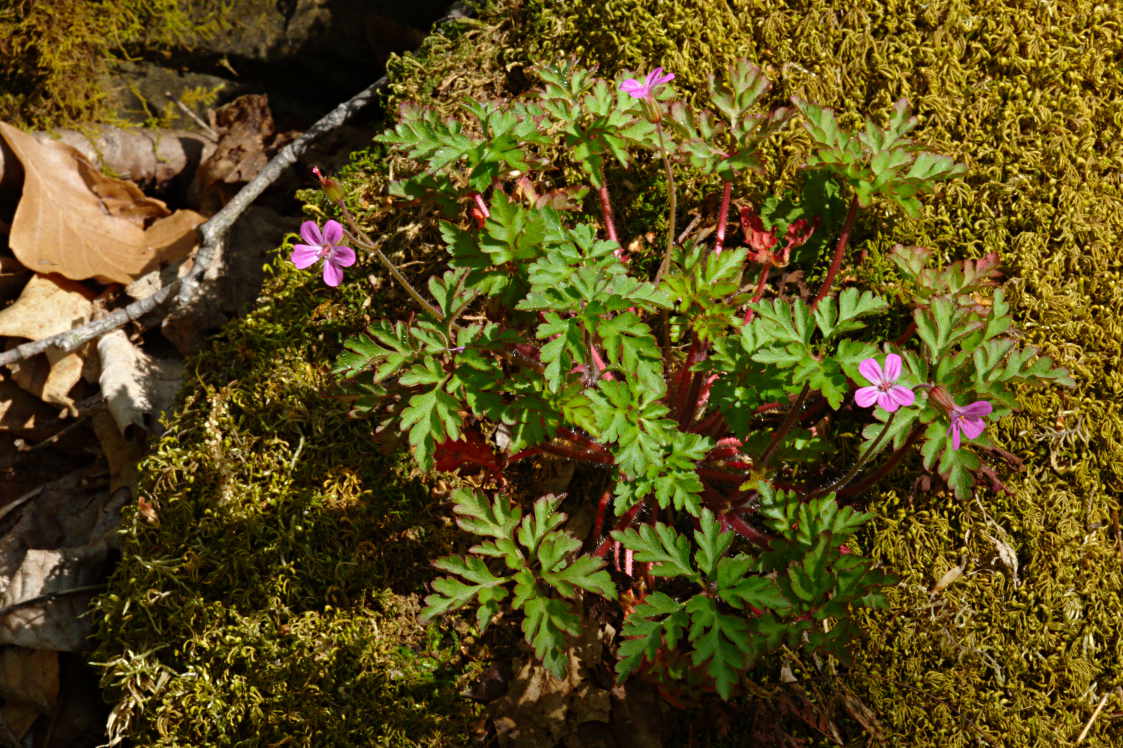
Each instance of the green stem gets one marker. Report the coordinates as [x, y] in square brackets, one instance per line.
[870, 452]
[673, 207]
[363, 240]
[785, 427]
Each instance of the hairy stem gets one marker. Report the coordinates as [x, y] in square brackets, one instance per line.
[870, 451]
[749, 313]
[624, 523]
[870, 480]
[363, 240]
[789, 420]
[606, 212]
[839, 251]
[672, 207]
[723, 217]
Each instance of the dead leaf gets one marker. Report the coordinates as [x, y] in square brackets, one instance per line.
[173, 237]
[540, 709]
[949, 576]
[245, 128]
[53, 559]
[74, 221]
[120, 198]
[29, 688]
[13, 277]
[136, 387]
[122, 453]
[18, 719]
[1008, 556]
[22, 414]
[29, 676]
[48, 305]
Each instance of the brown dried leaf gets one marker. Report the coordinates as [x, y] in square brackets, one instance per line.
[20, 413]
[53, 559]
[29, 676]
[122, 453]
[48, 305]
[74, 221]
[120, 198]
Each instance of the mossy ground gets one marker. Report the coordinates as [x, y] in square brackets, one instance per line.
[290, 552]
[54, 55]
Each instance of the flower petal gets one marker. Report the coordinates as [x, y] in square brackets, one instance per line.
[977, 408]
[871, 370]
[902, 395]
[954, 431]
[971, 426]
[892, 367]
[304, 255]
[332, 274]
[886, 401]
[866, 396]
[631, 87]
[342, 256]
[333, 233]
[310, 233]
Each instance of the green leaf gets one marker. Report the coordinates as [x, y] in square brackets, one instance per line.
[496, 519]
[585, 572]
[757, 592]
[452, 594]
[721, 642]
[660, 545]
[545, 627]
[712, 543]
[656, 622]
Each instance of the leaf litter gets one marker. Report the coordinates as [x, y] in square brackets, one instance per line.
[79, 244]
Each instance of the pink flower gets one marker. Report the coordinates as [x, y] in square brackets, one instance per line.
[884, 389]
[968, 420]
[644, 90]
[323, 246]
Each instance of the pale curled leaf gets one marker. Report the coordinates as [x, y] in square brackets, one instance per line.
[136, 387]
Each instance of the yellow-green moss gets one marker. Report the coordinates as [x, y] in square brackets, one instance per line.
[54, 55]
[1029, 95]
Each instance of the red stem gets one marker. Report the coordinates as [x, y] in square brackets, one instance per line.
[601, 506]
[624, 523]
[744, 529]
[749, 313]
[839, 251]
[856, 489]
[723, 216]
[481, 204]
[607, 215]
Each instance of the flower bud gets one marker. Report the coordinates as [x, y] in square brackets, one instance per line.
[330, 187]
[941, 397]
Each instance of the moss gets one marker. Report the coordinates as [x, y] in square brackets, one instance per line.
[54, 55]
[1027, 95]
